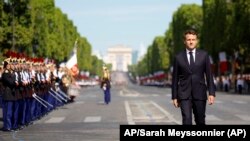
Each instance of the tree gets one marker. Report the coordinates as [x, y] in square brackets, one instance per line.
[160, 55]
[187, 16]
[214, 26]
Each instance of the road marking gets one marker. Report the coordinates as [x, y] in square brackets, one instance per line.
[92, 119]
[218, 101]
[101, 102]
[129, 113]
[239, 102]
[172, 119]
[212, 118]
[146, 111]
[79, 102]
[133, 91]
[55, 120]
[155, 95]
[128, 94]
[244, 117]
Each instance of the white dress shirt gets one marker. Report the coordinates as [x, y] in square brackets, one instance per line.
[188, 55]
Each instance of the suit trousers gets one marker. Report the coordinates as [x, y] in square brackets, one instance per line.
[198, 107]
[1, 103]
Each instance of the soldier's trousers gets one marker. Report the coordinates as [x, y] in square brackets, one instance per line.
[8, 114]
[107, 96]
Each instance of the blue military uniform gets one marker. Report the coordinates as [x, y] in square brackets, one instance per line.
[9, 98]
[106, 85]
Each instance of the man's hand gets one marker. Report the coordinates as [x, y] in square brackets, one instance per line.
[211, 99]
[176, 103]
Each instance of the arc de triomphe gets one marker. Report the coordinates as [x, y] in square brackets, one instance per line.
[120, 57]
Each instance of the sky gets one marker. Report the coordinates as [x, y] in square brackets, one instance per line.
[132, 23]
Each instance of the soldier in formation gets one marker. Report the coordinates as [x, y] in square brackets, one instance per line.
[30, 89]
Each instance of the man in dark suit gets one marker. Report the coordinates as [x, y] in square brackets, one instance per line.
[192, 77]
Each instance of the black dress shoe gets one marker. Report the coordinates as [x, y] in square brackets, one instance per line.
[20, 127]
[16, 129]
[30, 123]
[7, 130]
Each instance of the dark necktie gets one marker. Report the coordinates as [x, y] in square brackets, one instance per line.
[191, 59]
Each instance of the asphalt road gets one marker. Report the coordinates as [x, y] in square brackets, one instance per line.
[89, 119]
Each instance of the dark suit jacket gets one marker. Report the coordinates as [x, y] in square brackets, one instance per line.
[192, 82]
[8, 80]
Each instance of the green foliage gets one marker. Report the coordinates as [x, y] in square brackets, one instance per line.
[187, 16]
[160, 55]
[39, 29]
[96, 68]
[230, 30]
[214, 26]
[84, 54]
[169, 45]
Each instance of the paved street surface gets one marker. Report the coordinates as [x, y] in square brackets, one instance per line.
[89, 119]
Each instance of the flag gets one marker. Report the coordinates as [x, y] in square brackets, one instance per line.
[71, 64]
[223, 62]
[211, 60]
[222, 56]
[212, 65]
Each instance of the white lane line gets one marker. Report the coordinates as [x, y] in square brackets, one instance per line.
[127, 93]
[165, 112]
[92, 119]
[79, 102]
[212, 118]
[132, 92]
[218, 101]
[55, 120]
[155, 95]
[240, 102]
[244, 117]
[129, 113]
[136, 92]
